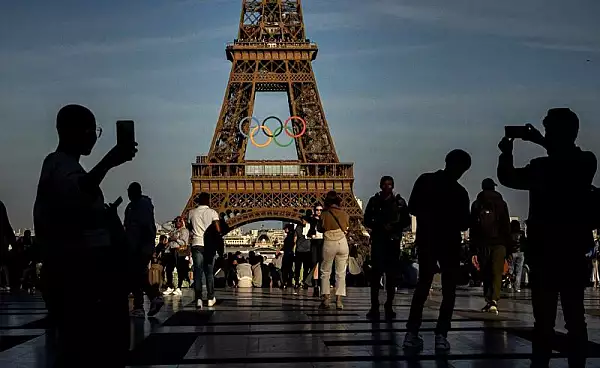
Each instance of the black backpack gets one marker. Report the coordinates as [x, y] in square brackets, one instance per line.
[487, 220]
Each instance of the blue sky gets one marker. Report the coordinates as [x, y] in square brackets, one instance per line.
[402, 83]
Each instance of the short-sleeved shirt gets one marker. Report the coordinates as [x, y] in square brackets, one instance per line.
[201, 217]
[62, 204]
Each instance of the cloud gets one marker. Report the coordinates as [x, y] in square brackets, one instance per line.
[41, 55]
[378, 51]
[563, 47]
[544, 22]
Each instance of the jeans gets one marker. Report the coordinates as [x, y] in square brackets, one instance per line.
[203, 266]
[303, 263]
[334, 250]
[385, 260]
[168, 260]
[449, 261]
[516, 268]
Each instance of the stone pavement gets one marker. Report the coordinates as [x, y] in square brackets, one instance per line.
[255, 327]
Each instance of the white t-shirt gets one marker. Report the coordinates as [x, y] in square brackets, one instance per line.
[201, 217]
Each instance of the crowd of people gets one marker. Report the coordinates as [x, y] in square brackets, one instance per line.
[315, 253]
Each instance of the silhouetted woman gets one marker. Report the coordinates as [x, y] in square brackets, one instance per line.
[288, 256]
[334, 224]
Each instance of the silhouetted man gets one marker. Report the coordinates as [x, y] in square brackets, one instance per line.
[7, 237]
[203, 258]
[387, 216]
[441, 206]
[490, 235]
[559, 198]
[140, 228]
[88, 310]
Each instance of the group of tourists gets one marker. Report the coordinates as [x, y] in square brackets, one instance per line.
[115, 251]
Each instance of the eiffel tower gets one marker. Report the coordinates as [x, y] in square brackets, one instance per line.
[272, 54]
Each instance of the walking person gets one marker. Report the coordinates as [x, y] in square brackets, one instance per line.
[566, 170]
[199, 219]
[174, 256]
[140, 228]
[316, 247]
[303, 256]
[441, 206]
[334, 226]
[517, 245]
[67, 195]
[287, 263]
[387, 216]
[490, 234]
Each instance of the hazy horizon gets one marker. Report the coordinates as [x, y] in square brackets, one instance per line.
[402, 83]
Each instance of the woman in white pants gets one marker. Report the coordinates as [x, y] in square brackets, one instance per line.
[334, 224]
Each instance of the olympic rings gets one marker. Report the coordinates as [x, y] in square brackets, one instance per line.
[267, 132]
[272, 136]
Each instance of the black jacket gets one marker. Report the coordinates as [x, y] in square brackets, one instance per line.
[7, 235]
[380, 212]
[559, 198]
[476, 235]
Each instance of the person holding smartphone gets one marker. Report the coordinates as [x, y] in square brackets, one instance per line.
[68, 195]
[559, 186]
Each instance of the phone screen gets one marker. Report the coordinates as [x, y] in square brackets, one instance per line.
[125, 132]
[516, 131]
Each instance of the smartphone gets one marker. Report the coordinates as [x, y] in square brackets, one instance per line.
[125, 132]
[118, 202]
[516, 131]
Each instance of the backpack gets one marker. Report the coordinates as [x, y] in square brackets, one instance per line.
[487, 220]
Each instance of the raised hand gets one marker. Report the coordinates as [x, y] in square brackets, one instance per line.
[120, 154]
[506, 145]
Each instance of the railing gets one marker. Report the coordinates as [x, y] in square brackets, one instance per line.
[276, 169]
[271, 45]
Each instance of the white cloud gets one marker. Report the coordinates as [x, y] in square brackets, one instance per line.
[548, 22]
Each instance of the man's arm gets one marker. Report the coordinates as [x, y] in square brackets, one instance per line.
[464, 216]
[414, 202]
[369, 217]
[508, 175]
[9, 232]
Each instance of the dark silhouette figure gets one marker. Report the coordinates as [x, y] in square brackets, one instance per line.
[490, 235]
[96, 325]
[387, 216]
[287, 265]
[140, 228]
[7, 237]
[559, 188]
[441, 206]
[316, 246]
[303, 256]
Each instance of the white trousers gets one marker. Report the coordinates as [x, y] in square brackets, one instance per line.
[334, 251]
[595, 276]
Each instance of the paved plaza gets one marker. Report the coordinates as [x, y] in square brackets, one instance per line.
[255, 327]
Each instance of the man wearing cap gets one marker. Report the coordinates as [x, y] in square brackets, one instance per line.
[560, 186]
[489, 234]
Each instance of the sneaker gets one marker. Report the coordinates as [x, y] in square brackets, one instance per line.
[155, 306]
[169, 291]
[493, 309]
[518, 290]
[441, 343]
[199, 304]
[177, 292]
[138, 313]
[412, 341]
[486, 308]
[212, 302]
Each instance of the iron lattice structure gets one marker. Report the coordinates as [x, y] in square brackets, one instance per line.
[272, 54]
